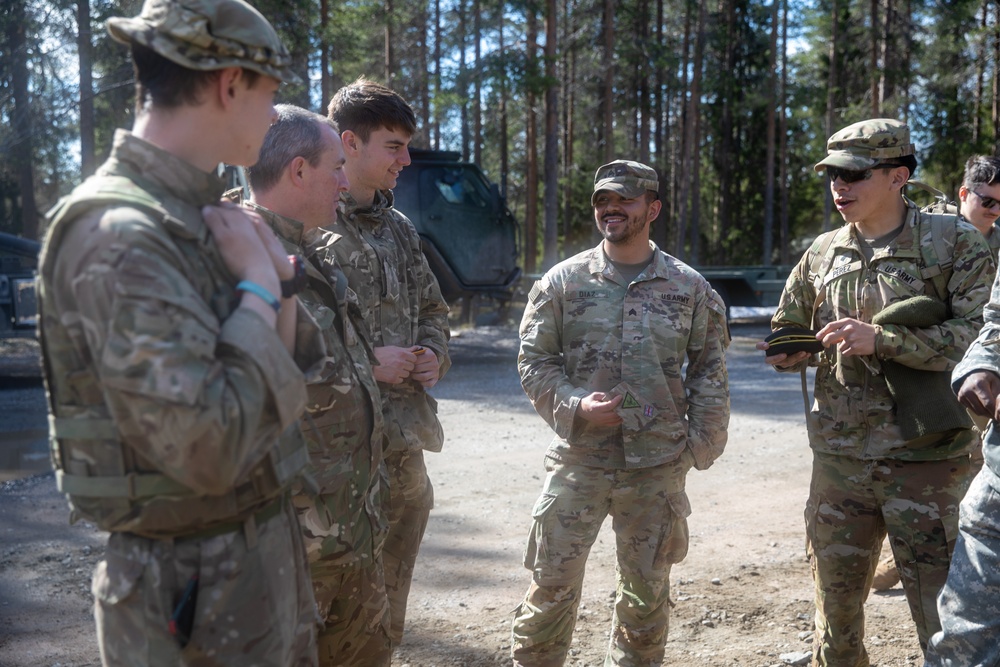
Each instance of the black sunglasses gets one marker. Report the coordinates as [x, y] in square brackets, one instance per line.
[852, 175]
[987, 202]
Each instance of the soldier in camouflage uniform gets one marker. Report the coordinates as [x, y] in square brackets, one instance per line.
[379, 251]
[173, 368]
[595, 328]
[970, 614]
[296, 186]
[979, 197]
[872, 472]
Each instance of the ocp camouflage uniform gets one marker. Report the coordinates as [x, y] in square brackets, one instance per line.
[969, 603]
[379, 251]
[166, 406]
[867, 477]
[587, 329]
[344, 523]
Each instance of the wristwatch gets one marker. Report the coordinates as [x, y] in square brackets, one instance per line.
[297, 282]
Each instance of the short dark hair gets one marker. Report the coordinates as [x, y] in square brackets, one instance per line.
[162, 83]
[365, 106]
[908, 161]
[296, 133]
[981, 170]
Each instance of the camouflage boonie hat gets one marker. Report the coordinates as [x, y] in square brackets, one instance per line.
[863, 145]
[628, 179]
[207, 35]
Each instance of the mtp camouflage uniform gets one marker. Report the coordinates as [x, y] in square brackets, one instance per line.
[173, 412]
[969, 603]
[401, 304]
[167, 402]
[868, 478]
[344, 522]
[587, 329]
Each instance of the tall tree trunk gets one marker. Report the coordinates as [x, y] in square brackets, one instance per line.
[477, 79]
[642, 87]
[773, 103]
[531, 139]
[389, 60]
[726, 167]
[436, 142]
[22, 148]
[659, 230]
[88, 158]
[888, 58]
[831, 89]
[504, 156]
[980, 65]
[996, 79]
[424, 72]
[325, 82]
[463, 81]
[608, 101]
[682, 186]
[695, 143]
[551, 136]
[569, 88]
[783, 138]
[873, 53]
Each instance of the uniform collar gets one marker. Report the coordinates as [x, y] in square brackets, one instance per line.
[287, 229]
[165, 171]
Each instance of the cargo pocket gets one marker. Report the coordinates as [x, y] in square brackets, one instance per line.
[116, 578]
[536, 552]
[674, 543]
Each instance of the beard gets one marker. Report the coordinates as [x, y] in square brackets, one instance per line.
[622, 234]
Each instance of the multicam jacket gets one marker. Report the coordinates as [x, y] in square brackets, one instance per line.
[345, 522]
[854, 413]
[166, 400]
[379, 251]
[586, 329]
[984, 355]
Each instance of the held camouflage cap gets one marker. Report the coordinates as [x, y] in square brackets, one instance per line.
[863, 145]
[626, 178]
[207, 35]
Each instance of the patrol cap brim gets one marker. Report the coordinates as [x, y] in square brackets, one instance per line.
[846, 160]
[789, 340]
[207, 36]
[622, 189]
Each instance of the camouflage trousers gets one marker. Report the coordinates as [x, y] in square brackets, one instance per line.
[343, 546]
[355, 611]
[649, 510]
[252, 600]
[969, 603]
[411, 498]
[852, 505]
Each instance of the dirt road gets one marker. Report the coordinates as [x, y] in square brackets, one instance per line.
[742, 597]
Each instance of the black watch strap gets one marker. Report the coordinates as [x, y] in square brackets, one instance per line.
[298, 281]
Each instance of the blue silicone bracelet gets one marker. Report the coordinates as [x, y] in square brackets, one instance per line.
[257, 290]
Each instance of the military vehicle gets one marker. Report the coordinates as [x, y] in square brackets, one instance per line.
[18, 264]
[470, 237]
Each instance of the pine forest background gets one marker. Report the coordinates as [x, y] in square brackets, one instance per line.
[730, 100]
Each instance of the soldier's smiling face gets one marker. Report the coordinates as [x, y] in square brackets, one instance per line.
[621, 220]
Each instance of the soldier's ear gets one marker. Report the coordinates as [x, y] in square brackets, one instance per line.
[351, 141]
[296, 170]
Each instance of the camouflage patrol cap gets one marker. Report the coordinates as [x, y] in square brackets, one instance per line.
[863, 145]
[207, 35]
[626, 178]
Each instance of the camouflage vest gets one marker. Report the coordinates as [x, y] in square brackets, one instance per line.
[118, 490]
